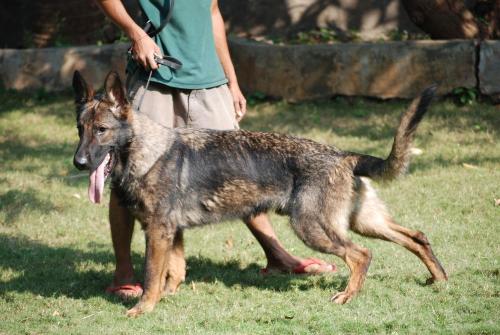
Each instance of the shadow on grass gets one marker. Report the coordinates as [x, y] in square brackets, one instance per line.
[416, 278]
[52, 271]
[202, 269]
[13, 151]
[351, 119]
[12, 100]
[443, 162]
[322, 116]
[14, 202]
[64, 271]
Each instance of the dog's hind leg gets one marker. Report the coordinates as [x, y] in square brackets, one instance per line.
[176, 265]
[322, 220]
[371, 218]
[358, 260]
[356, 257]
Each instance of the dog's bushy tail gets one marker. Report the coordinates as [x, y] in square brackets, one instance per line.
[398, 160]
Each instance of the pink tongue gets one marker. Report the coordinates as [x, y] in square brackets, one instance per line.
[96, 182]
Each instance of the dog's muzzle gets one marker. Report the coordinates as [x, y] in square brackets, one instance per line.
[80, 161]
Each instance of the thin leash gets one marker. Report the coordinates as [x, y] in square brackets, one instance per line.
[145, 90]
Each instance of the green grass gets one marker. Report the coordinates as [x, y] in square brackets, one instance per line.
[56, 257]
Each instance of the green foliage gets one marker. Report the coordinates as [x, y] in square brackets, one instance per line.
[465, 95]
[324, 36]
[255, 98]
[330, 36]
[56, 256]
[122, 38]
[404, 35]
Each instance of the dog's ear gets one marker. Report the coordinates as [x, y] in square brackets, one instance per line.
[114, 89]
[83, 91]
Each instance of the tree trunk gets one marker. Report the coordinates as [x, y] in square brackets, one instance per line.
[495, 21]
[443, 19]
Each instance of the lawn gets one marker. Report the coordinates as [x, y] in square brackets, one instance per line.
[56, 257]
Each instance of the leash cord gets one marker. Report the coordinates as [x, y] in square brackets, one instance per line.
[145, 90]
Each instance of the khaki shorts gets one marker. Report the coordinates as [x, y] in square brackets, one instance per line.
[172, 107]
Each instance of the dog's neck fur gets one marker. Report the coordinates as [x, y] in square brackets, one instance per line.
[143, 149]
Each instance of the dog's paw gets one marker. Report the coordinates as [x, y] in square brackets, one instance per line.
[341, 298]
[170, 290]
[433, 280]
[172, 286]
[140, 308]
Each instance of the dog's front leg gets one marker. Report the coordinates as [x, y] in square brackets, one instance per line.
[158, 242]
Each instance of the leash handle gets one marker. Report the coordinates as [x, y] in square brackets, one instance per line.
[169, 61]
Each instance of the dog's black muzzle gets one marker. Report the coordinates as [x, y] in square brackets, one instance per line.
[80, 161]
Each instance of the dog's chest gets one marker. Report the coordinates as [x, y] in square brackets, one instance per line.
[141, 198]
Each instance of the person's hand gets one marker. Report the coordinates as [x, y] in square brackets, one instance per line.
[144, 50]
[239, 101]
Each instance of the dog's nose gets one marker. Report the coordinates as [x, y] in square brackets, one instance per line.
[80, 162]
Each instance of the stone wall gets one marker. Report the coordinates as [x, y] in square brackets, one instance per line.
[489, 68]
[295, 73]
[52, 69]
[383, 70]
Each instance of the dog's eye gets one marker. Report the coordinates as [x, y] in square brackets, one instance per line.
[101, 130]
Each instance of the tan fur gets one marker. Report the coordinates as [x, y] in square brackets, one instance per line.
[148, 149]
[236, 193]
[372, 219]
[193, 140]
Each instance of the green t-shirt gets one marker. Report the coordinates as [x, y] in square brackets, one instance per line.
[189, 37]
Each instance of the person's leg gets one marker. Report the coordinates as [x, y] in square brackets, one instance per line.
[213, 108]
[122, 226]
[278, 259]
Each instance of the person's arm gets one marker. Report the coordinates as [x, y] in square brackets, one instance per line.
[240, 104]
[143, 47]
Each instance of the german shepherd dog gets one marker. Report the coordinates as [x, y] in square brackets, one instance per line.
[172, 179]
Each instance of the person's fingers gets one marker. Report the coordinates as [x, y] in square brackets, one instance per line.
[151, 63]
[242, 112]
[237, 109]
[243, 104]
[142, 60]
[158, 51]
[140, 57]
[239, 114]
[143, 52]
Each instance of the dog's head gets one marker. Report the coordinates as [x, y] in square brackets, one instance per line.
[103, 128]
